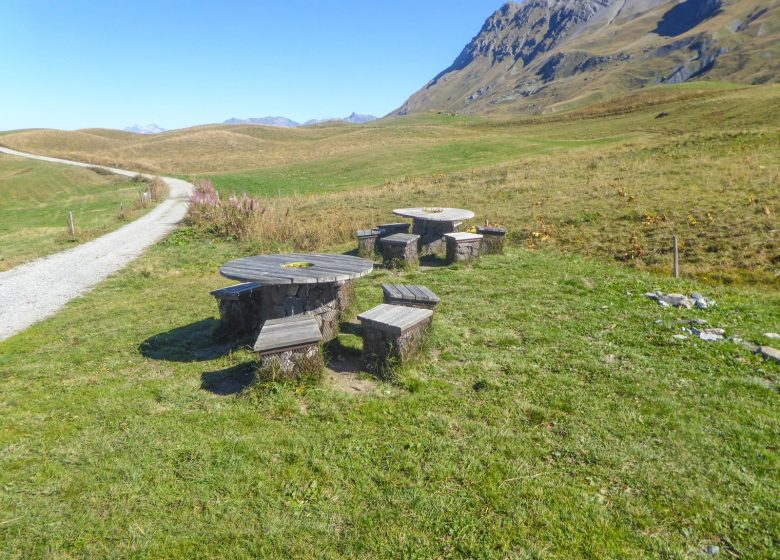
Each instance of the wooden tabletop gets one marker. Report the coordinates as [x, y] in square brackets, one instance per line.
[277, 269]
[435, 214]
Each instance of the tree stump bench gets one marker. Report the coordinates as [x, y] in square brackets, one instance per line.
[410, 296]
[289, 348]
[392, 333]
[239, 308]
[462, 247]
[399, 250]
[492, 240]
[367, 239]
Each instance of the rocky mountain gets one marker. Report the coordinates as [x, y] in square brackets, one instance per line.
[354, 118]
[541, 55]
[147, 129]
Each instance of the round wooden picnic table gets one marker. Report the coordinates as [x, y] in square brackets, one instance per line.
[432, 224]
[435, 214]
[315, 284]
[297, 268]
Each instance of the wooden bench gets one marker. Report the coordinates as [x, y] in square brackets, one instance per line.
[492, 240]
[462, 247]
[367, 239]
[392, 333]
[399, 250]
[410, 296]
[239, 308]
[386, 230]
[289, 348]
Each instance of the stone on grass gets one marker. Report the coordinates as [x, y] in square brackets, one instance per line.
[710, 335]
[772, 335]
[680, 300]
[712, 550]
[769, 353]
[676, 300]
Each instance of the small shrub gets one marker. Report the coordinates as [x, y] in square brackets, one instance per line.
[158, 189]
[100, 170]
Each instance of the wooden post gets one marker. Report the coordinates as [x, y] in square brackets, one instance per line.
[676, 259]
[71, 225]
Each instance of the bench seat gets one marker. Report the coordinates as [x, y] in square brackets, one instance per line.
[236, 291]
[239, 309]
[392, 333]
[410, 296]
[399, 250]
[462, 246]
[290, 347]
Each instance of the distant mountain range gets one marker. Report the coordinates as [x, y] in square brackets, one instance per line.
[541, 55]
[354, 118]
[141, 129]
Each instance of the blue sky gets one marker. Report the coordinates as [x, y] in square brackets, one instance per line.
[111, 63]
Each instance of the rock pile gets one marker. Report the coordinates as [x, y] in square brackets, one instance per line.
[699, 329]
[679, 300]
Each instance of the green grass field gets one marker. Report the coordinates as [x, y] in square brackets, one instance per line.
[551, 416]
[37, 196]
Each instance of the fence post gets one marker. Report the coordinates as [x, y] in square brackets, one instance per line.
[676, 259]
[71, 225]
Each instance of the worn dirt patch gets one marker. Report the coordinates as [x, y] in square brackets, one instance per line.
[349, 383]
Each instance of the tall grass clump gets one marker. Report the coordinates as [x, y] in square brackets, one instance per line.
[270, 223]
[158, 189]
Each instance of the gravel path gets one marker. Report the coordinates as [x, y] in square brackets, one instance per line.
[35, 290]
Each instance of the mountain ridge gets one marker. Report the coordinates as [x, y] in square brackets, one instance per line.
[542, 55]
[354, 118]
[144, 129]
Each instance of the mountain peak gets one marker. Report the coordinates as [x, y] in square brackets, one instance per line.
[531, 55]
[144, 129]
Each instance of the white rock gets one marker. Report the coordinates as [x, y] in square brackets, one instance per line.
[772, 335]
[677, 300]
[769, 353]
[709, 337]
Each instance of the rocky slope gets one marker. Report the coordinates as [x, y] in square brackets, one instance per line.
[542, 55]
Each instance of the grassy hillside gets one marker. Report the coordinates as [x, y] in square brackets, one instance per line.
[611, 179]
[37, 196]
[225, 150]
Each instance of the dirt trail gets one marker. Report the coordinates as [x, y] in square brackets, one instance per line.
[33, 291]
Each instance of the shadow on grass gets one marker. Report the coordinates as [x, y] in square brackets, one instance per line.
[230, 381]
[190, 343]
[342, 358]
[432, 261]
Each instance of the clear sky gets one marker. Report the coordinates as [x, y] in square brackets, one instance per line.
[114, 63]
